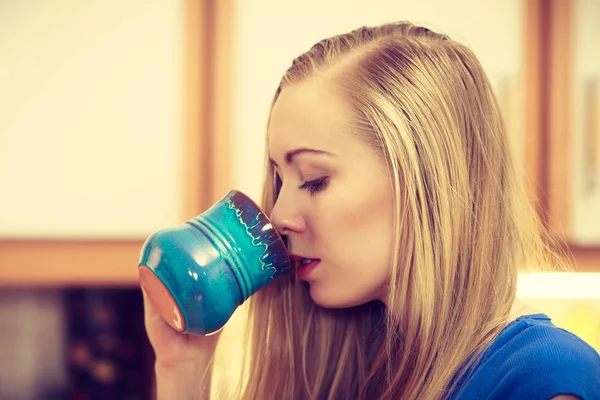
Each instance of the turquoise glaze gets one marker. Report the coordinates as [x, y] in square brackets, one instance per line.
[214, 262]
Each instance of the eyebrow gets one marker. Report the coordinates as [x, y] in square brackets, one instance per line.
[289, 156]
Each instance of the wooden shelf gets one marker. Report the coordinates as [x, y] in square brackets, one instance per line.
[69, 263]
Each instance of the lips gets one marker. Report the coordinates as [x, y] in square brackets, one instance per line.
[304, 265]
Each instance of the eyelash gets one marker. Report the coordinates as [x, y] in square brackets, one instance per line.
[314, 187]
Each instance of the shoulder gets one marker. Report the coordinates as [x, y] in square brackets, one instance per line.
[534, 359]
[535, 341]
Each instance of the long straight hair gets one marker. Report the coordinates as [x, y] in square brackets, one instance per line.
[463, 226]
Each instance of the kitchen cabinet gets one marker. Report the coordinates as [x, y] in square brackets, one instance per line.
[110, 113]
[92, 159]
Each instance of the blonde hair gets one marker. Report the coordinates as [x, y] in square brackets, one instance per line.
[463, 226]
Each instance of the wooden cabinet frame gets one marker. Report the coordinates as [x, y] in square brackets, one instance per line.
[548, 148]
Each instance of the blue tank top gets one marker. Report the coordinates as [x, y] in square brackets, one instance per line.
[533, 359]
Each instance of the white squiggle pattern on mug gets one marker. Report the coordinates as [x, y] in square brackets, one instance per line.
[255, 241]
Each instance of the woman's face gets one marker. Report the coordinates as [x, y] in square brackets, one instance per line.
[335, 203]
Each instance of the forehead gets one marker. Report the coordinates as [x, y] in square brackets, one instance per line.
[308, 114]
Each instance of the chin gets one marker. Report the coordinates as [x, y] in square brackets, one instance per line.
[343, 299]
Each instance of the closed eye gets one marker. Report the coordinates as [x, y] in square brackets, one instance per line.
[315, 186]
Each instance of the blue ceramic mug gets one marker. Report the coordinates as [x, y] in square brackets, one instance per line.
[198, 273]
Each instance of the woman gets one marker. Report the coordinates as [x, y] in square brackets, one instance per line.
[389, 175]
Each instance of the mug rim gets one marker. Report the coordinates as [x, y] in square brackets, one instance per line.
[272, 228]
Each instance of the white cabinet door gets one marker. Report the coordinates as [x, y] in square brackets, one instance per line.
[585, 123]
[91, 117]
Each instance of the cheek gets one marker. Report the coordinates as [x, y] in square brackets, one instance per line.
[355, 228]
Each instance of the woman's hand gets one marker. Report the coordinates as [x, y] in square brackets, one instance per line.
[183, 362]
[173, 348]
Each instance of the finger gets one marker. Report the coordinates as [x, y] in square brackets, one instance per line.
[151, 315]
[149, 310]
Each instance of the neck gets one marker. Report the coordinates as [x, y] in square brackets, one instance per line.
[519, 309]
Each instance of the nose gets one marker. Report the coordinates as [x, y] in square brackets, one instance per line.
[286, 217]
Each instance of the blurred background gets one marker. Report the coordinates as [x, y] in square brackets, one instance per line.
[118, 118]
